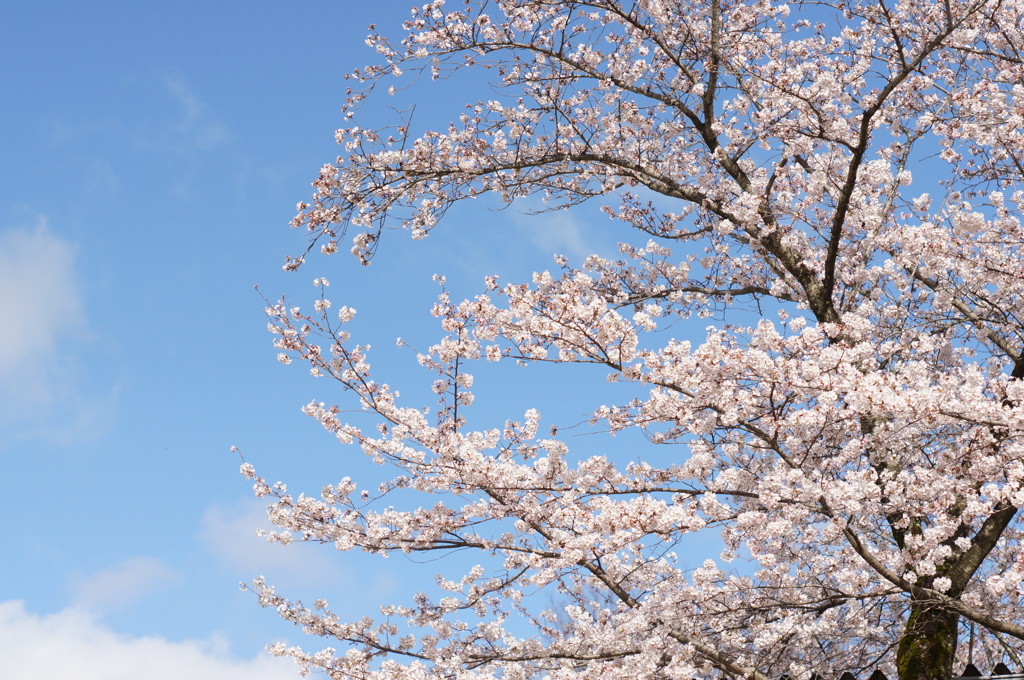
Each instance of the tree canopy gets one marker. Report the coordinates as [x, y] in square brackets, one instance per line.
[851, 169]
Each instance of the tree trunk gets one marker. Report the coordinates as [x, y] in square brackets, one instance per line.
[928, 646]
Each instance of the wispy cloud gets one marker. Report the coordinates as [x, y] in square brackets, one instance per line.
[43, 306]
[73, 644]
[193, 127]
[45, 331]
[229, 532]
[559, 233]
[44, 322]
[121, 585]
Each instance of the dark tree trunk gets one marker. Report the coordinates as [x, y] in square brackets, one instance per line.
[928, 646]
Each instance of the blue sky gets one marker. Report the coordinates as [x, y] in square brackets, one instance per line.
[151, 155]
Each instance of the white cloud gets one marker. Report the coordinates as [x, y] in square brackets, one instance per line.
[122, 585]
[72, 644]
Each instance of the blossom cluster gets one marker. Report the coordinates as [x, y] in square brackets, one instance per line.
[854, 429]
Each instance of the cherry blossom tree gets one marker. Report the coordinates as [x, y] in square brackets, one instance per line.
[850, 170]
